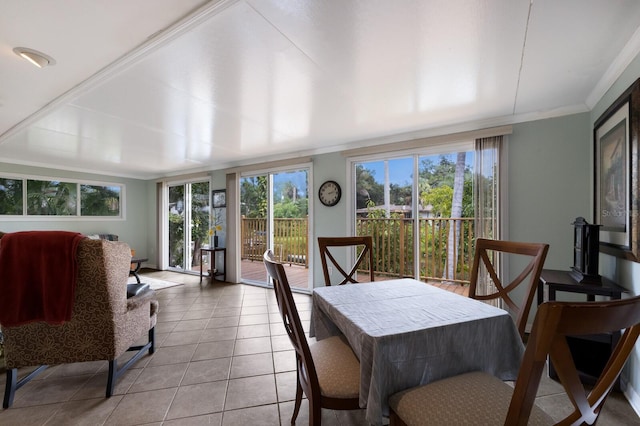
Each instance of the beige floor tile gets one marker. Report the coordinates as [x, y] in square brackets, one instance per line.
[198, 311]
[197, 400]
[87, 412]
[251, 365]
[249, 331]
[212, 350]
[254, 319]
[179, 338]
[284, 361]
[252, 346]
[48, 391]
[96, 386]
[250, 392]
[207, 371]
[190, 325]
[159, 377]
[205, 420]
[226, 311]
[223, 322]
[27, 416]
[263, 415]
[286, 386]
[281, 343]
[142, 408]
[217, 334]
[172, 355]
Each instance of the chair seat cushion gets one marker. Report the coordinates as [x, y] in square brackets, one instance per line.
[337, 367]
[468, 399]
[135, 289]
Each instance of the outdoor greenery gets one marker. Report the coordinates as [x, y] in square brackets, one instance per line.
[200, 222]
[443, 243]
[287, 199]
[445, 219]
[57, 198]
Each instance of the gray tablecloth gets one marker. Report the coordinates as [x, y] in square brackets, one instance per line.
[407, 333]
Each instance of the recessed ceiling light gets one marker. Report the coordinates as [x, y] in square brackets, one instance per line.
[38, 59]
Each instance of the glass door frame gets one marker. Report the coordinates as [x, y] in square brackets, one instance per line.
[163, 225]
[270, 237]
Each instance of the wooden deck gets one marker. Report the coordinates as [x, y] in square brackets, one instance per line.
[299, 275]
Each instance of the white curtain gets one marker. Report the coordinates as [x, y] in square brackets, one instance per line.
[486, 194]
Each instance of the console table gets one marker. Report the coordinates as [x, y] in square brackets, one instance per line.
[591, 352]
[212, 255]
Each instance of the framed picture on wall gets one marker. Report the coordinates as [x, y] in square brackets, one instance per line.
[616, 186]
[219, 198]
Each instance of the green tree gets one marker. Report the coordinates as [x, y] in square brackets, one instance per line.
[96, 200]
[51, 198]
[253, 197]
[367, 189]
[11, 196]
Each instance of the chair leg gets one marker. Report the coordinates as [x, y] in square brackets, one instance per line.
[152, 340]
[10, 387]
[113, 376]
[114, 372]
[296, 407]
[13, 384]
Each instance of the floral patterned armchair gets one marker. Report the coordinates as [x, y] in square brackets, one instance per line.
[103, 326]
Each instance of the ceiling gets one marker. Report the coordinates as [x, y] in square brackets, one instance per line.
[152, 88]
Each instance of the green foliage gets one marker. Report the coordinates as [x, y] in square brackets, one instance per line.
[98, 200]
[440, 198]
[253, 197]
[291, 209]
[51, 198]
[367, 188]
[11, 196]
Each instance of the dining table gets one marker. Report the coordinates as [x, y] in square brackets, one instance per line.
[407, 333]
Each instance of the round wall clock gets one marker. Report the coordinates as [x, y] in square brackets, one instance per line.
[329, 193]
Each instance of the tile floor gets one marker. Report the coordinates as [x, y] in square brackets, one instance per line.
[222, 359]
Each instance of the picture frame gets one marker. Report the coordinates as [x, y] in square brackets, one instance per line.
[616, 166]
[219, 198]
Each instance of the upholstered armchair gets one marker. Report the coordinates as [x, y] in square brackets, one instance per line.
[104, 324]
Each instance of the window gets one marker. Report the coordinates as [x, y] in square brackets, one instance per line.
[419, 210]
[50, 197]
[11, 196]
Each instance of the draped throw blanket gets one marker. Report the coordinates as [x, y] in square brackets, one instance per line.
[38, 272]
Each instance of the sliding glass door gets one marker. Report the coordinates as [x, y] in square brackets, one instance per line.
[420, 211]
[274, 215]
[188, 224]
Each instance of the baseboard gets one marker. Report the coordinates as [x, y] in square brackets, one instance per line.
[631, 395]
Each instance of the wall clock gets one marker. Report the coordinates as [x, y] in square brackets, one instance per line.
[330, 193]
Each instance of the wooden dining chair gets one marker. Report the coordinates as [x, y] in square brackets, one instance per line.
[486, 254]
[328, 372]
[363, 244]
[487, 400]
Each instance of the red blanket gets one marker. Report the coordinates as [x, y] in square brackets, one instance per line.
[38, 271]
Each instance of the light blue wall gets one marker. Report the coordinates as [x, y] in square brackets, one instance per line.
[131, 229]
[549, 183]
[624, 272]
[328, 221]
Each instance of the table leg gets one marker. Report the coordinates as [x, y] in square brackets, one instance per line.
[134, 272]
[200, 265]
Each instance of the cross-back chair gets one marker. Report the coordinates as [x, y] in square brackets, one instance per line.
[487, 400]
[486, 252]
[328, 372]
[362, 243]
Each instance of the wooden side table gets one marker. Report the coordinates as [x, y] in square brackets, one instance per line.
[591, 352]
[212, 255]
[138, 262]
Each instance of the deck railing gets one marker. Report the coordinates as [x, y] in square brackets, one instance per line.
[394, 245]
